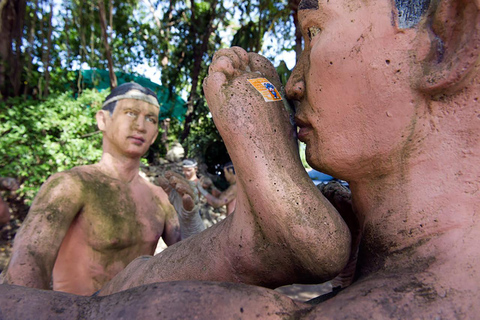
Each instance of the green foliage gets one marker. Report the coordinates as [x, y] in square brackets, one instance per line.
[40, 138]
[248, 37]
[283, 72]
[177, 37]
[202, 133]
[259, 18]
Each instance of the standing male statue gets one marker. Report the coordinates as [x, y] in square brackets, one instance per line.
[88, 223]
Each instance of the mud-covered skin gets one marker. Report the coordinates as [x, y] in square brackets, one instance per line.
[102, 234]
[416, 194]
[409, 154]
[369, 112]
[283, 230]
[397, 296]
[159, 300]
[85, 225]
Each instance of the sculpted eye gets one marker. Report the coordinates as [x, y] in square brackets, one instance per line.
[313, 31]
[152, 120]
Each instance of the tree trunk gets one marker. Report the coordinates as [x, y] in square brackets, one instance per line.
[46, 63]
[12, 15]
[42, 48]
[197, 64]
[83, 47]
[92, 38]
[29, 53]
[103, 24]
[110, 14]
[21, 6]
[298, 33]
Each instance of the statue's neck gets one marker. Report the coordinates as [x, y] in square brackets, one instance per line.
[415, 214]
[124, 169]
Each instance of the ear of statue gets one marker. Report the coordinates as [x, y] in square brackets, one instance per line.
[454, 27]
[101, 121]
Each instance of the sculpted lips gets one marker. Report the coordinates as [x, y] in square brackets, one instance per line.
[139, 140]
[304, 129]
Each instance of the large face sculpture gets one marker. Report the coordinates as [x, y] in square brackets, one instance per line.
[357, 107]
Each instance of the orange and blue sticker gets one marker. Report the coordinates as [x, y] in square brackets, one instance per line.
[266, 89]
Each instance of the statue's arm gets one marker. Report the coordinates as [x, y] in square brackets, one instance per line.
[37, 242]
[220, 199]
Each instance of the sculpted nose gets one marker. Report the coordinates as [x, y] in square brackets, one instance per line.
[139, 124]
[295, 88]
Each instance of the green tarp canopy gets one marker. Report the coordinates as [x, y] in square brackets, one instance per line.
[171, 105]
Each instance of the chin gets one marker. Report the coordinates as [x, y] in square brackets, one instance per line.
[136, 153]
[318, 162]
[313, 160]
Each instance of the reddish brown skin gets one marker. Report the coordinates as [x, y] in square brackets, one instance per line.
[410, 152]
[87, 224]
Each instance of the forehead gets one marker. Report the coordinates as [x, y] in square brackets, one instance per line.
[137, 105]
[346, 13]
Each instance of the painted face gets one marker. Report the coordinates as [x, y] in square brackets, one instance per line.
[190, 173]
[132, 128]
[353, 83]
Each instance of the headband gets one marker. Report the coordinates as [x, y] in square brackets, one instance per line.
[189, 164]
[134, 94]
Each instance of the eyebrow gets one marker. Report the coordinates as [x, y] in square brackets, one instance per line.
[136, 108]
[151, 114]
[308, 4]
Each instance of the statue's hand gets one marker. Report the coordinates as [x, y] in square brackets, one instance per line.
[205, 182]
[174, 182]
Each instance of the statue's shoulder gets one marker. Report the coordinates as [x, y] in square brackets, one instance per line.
[68, 181]
[83, 173]
[77, 176]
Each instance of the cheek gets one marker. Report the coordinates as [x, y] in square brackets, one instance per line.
[335, 77]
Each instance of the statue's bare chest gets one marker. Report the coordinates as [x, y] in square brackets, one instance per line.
[118, 215]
